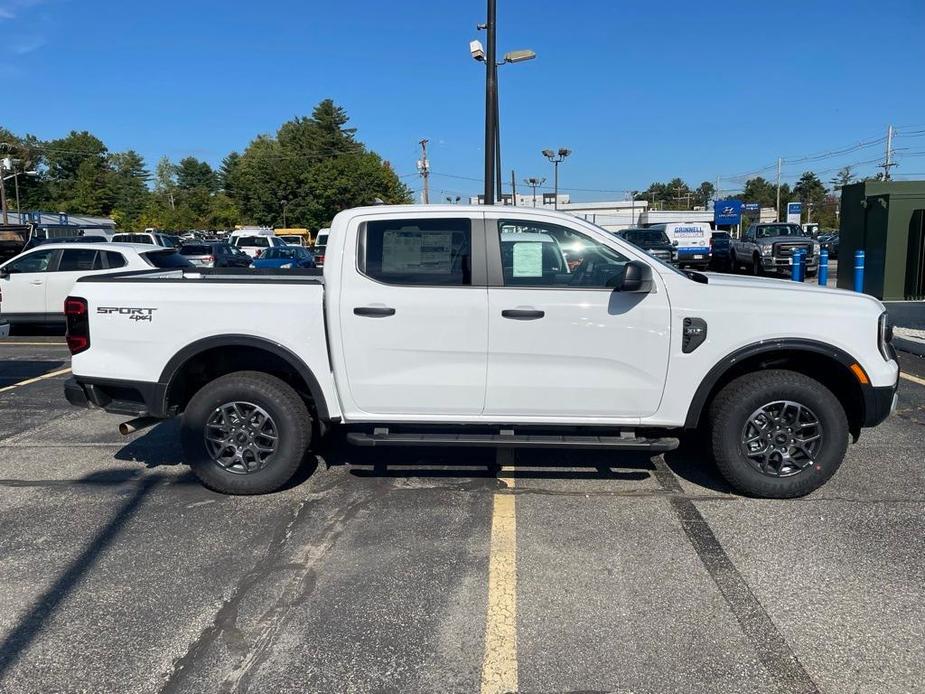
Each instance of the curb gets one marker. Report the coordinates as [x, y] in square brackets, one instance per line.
[910, 346]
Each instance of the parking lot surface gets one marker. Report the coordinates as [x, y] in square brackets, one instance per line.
[446, 571]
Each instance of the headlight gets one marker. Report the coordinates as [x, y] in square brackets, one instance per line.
[816, 248]
[766, 250]
[885, 336]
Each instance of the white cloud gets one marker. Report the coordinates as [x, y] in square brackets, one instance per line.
[11, 8]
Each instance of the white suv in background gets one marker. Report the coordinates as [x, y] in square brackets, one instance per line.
[149, 238]
[34, 284]
[255, 245]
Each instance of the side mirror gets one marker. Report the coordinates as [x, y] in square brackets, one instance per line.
[637, 277]
[4, 273]
[674, 243]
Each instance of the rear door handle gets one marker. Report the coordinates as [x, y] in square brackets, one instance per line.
[374, 311]
[522, 314]
[38, 282]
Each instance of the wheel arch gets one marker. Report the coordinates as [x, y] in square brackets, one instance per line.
[206, 359]
[824, 363]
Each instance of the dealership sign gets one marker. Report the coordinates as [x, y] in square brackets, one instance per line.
[727, 212]
[794, 212]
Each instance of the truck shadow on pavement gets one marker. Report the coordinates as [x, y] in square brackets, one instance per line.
[16, 370]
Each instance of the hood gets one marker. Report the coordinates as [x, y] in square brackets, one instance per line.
[745, 283]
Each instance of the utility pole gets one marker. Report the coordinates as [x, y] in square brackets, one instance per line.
[513, 189]
[491, 83]
[779, 162]
[424, 169]
[3, 191]
[888, 162]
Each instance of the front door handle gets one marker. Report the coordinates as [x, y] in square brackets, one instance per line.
[38, 282]
[522, 314]
[374, 311]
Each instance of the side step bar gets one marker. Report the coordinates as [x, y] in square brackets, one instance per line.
[513, 441]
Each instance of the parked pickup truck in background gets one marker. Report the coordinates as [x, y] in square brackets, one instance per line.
[769, 248]
[451, 325]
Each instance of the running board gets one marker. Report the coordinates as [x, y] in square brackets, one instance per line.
[513, 441]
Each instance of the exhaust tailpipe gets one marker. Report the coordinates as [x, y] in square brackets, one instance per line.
[137, 424]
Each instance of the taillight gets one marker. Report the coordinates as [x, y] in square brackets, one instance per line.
[210, 258]
[78, 324]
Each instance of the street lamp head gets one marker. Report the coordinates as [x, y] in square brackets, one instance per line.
[477, 51]
[519, 56]
[548, 153]
[564, 152]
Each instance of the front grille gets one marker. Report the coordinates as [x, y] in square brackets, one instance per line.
[785, 250]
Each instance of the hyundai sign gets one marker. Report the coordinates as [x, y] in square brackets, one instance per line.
[727, 212]
[794, 212]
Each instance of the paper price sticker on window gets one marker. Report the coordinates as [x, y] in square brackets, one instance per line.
[528, 259]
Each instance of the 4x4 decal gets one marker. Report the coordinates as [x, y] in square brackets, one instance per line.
[146, 314]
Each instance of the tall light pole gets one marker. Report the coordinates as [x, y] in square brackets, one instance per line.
[284, 203]
[534, 183]
[555, 158]
[492, 184]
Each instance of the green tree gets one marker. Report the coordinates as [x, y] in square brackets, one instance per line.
[129, 186]
[75, 165]
[90, 192]
[194, 174]
[843, 178]
[811, 192]
[165, 182]
[227, 172]
[316, 164]
[704, 193]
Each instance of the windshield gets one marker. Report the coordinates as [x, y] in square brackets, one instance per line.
[132, 238]
[770, 230]
[196, 250]
[648, 237]
[253, 241]
[278, 253]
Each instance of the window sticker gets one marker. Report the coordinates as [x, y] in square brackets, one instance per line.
[528, 259]
[414, 251]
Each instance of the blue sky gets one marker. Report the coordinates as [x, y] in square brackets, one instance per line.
[640, 92]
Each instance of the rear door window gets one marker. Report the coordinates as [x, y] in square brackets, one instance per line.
[79, 259]
[113, 259]
[431, 252]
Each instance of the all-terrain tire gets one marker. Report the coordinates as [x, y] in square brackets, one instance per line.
[292, 427]
[739, 399]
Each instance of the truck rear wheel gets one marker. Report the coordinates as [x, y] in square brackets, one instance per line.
[245, 433]
[777, 434]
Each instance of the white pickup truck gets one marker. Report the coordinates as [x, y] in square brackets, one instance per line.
[484, 326]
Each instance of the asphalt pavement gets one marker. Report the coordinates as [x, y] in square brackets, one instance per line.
[446, 571]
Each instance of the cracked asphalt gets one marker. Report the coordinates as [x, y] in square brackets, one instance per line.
[370, 573]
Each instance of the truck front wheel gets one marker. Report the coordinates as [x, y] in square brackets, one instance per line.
[245, 433]
[777, 434]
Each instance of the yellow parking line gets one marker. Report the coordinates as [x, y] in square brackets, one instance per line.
[499, 665]
[35, 380]
[914, 379]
